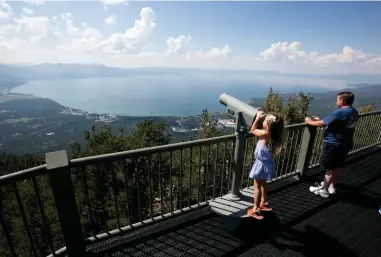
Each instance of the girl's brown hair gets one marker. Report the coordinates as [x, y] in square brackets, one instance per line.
[275, 132]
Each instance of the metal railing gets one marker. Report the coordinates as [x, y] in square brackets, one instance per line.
[82, 201]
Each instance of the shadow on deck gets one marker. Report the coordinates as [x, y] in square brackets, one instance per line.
[303, 224]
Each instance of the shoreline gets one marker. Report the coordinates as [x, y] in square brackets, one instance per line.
[19, 96]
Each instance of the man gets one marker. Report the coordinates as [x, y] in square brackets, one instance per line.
[338, 141]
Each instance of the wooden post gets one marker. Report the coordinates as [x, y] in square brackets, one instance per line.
[306, 150]
[63, 192]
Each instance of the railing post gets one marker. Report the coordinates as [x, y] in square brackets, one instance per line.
[239, 156]
[63, 192]
[379, 137]
[306, 150]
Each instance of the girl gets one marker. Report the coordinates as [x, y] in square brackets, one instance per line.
[269, 143]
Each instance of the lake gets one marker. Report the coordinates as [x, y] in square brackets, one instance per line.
[146, 95]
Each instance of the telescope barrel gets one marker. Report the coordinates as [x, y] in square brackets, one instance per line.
[234, 105]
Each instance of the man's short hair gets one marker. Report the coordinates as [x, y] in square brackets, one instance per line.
[347, 97]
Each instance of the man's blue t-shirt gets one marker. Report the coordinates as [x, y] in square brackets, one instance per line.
[340, 126]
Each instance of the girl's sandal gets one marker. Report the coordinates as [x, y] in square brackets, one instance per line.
[265, 207]
[256, 215]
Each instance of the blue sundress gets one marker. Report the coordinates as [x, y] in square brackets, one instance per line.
[264, 165]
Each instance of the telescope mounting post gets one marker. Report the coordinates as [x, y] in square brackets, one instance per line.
[240, 132]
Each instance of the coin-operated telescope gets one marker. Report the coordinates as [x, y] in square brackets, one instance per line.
[244, 114]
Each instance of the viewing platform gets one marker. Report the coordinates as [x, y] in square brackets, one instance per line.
[170, 201]
[303, 224]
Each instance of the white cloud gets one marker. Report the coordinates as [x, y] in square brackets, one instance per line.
[35, 2]
[215, 52]
[111, 19]
[64, 38]
[114, 2]
[65, 16]
[27, 11]
[11, 45]
[6, 29]
[284, 51]
[6, 11]
[91, 40]
[290, 53]
[135, 37]
[105, 8]
[177, 45]
[37, 26]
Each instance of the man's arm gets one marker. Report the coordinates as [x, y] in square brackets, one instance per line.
[315, 123]
[324, 122]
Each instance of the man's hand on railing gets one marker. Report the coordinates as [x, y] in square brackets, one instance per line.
[315, 118]
[314, 121]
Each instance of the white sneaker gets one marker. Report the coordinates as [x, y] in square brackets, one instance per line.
[331, 190]
[318, 190]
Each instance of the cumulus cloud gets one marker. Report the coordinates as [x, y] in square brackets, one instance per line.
[113, 2]
[37, 26]
[135, 37]
[177, 45]
[111, 20]
[285, 51]
[64, 38]
[27, 11]
[6, 11]
[291, 53]
[215, 52]
[35, 2]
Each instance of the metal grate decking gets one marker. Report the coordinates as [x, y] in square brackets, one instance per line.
[347, 224]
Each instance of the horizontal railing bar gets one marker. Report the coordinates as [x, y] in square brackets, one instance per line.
[158, 149]
[59, 252]
[364, 148]
[23, 174]
[370, 113]
[149, 150]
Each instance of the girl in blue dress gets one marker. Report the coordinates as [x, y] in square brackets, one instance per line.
[269, 144]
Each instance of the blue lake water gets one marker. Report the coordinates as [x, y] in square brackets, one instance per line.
[145, 95]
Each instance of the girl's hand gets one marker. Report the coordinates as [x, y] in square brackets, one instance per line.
[260, 114]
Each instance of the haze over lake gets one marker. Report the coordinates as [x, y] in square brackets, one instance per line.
[150, 95]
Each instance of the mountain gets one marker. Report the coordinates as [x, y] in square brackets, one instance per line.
[323, 103]
[7, 80]
[12, 75]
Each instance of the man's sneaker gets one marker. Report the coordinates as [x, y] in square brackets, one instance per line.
[318, 190]
[331, 190]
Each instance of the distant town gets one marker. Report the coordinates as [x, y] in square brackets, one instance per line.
[107, 118]
[182, 123]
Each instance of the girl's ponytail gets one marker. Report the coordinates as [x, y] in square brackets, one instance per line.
[276, 128]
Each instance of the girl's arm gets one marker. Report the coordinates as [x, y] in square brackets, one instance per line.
[258, 132]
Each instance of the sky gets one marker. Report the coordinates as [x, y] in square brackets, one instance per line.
[287, 37]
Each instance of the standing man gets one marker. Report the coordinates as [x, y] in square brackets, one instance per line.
[338, 141]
